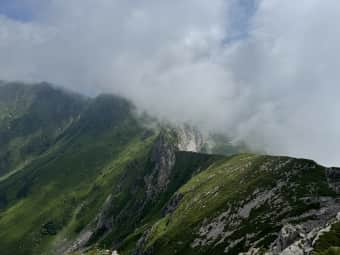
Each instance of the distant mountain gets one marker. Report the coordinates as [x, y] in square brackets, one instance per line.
[91, 176]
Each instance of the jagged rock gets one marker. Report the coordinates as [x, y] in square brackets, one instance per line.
[259, 200]
[172, 204]
[211, 231]
[287, 236]
[140, 246]
[163, 158]
[300, 239]
[189, 139]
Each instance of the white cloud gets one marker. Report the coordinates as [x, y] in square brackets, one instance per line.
[275, 84]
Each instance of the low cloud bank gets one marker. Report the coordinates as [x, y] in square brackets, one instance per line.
[262, 71]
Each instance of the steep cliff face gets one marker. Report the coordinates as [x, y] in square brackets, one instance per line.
[163, 160]
[146, 185]
[190, 139]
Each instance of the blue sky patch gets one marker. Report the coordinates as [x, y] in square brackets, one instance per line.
[21, 10]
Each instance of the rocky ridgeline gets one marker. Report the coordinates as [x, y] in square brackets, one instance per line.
[163, 158]
[285, 217]
[301, 238]
[274, 206]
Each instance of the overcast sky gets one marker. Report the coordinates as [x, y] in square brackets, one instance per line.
[262, 71]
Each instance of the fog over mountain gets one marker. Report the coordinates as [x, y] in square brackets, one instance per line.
[262, 71]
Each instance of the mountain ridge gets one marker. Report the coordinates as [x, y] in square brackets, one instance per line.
[110, 182]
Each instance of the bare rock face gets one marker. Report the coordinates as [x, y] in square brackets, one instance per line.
[141, 244]
[163, 158]
[172, 204]
[189, 139]
[298, 234]
[287, 236]
[301, 238]
[81, 241]
[181, 138]
[286, 239]
[101, 222]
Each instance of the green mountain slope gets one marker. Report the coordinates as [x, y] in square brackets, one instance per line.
[240, 203]
[41, 199]
[98, 178]
[31, 119]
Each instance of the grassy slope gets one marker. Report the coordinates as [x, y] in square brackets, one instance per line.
[31, 119]
[75, 197]
[40, 202]
[330, 251]
[98, 150]
[102, 152]
[329, 242]
[223, 185]
[187, 164]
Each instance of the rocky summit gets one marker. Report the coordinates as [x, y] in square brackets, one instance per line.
[85, 175]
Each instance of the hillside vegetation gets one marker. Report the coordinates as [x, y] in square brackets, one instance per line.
[89, 176]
